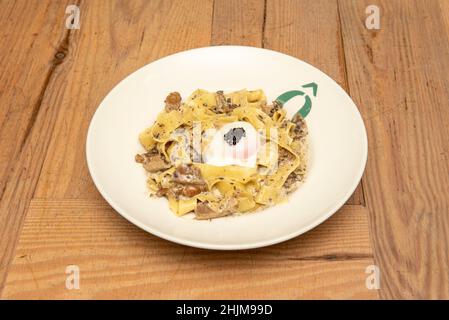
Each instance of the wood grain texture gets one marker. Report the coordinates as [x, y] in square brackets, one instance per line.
[444, 9]
[93, 60]
[118, 260]
[28, 65]
[399, 78]
[21, 92]
[238, 22]
[310, 30]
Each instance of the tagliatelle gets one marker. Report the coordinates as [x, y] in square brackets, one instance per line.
[178, 169]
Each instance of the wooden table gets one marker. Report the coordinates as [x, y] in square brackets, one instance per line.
[51, 216]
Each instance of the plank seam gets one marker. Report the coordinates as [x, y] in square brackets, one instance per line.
[364, 204]
[334, 257]
[264, 22]
[212, 22]
[346, 78]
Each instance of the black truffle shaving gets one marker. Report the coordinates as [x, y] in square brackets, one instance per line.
[234, 135]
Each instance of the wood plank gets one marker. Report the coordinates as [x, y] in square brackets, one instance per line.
[118, 260]
[31, 34]
[94, 59]
[398, 76]
[238, 22]
[28, 49]
[444, 9]
[292, 27]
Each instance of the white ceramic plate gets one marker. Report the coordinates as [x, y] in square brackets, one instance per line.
[338, 144]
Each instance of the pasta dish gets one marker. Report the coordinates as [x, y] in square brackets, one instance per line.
[217, 154]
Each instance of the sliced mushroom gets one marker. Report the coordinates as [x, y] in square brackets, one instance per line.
[173, 101]
[192, 190]
[162, 192]
[188, 174]
[156, 163]
[204, 212]
[152, 161]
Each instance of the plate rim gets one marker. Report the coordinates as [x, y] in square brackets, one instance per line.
[245, 246]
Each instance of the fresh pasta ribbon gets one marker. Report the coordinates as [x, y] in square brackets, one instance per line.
[281, 153]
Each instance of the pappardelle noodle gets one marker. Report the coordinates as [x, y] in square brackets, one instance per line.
[216, 154]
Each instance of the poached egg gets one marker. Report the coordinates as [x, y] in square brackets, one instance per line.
[235, 143]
